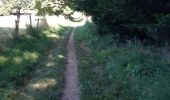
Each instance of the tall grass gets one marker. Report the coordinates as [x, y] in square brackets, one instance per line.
[121, 71]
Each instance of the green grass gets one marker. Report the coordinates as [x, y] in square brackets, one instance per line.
[5, 37]
[19, 60]
[116, 71]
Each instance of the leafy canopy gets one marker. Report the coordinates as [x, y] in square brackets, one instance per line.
[10, 6]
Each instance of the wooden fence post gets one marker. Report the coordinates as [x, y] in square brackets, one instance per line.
[17, 24]
[30, 21]
[16, 29]
[38, 22]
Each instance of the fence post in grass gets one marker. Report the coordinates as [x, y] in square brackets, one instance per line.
[30, 20]
[38, 21]
[16, 29]
[17, 23]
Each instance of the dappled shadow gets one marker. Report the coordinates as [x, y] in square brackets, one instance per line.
[46, 79]
[24, 73]
[43, 84]
[21, 57]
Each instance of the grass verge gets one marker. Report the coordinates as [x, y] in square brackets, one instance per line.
[22, 57]
[116, 71]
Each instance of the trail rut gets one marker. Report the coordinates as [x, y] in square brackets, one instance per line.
[71, 89]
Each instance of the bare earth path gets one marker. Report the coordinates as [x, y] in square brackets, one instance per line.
[71, 89]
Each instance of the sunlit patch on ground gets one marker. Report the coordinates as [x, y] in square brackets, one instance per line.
[54, 36]
[31, 55]
[23, 96]
[50, 64]
[9, 21]
[44, 84]
[60, 20]
[61, 56]
[57, 20]
[18, 60]
[3, 59]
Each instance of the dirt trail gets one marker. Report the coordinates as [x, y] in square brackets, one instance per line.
[71, 89]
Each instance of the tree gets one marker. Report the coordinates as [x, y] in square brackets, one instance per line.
[15, 6]
[54, 7]
[133, 18]
[11, 6]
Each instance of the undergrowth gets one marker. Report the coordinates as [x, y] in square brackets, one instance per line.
[117, 71]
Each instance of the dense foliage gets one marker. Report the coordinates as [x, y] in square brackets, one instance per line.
[49, 6]
[10, 6]
[116, 71]
[146, 19]
[53, 7]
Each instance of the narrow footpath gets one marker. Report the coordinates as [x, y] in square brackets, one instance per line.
[71, 89]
